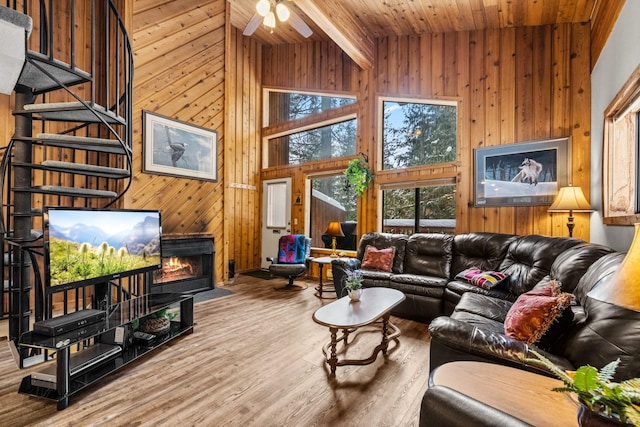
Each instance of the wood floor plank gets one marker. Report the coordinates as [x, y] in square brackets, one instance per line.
[254, 359]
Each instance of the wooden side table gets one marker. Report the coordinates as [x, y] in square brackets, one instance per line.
[522, 394]
[320, 289]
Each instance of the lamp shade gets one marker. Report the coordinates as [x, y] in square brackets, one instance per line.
[623, 287]
[334, 229]
[570, 199]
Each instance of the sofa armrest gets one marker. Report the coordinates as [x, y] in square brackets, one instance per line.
[339, 267]
[442, 406]
[453, 339]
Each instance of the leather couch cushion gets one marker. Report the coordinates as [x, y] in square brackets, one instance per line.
[483, 324]
[457, 288]
[607, 333]
[385, 240]
[573, 263]
[418, 285]
[481, 250]
[371, 278]
[491, 308]
[428, 254]
[600, 270]
[529, 259]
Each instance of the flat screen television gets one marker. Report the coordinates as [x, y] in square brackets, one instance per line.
[89, 246]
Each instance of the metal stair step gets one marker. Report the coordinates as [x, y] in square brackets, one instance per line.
[82, 143]
[85, 169]
[58, 190]
[34, 78]
[71, 112]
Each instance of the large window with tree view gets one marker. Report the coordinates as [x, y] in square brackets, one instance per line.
[312, 140]
[418, 133]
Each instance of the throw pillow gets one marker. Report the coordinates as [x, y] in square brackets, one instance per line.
[533, 313]
[378, 259]
[484, 279]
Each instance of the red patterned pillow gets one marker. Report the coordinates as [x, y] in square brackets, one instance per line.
[534, 312]
[378, 259]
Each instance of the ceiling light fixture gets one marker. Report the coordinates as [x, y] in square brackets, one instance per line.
[270, 20]
[282, 11]
[263, 7]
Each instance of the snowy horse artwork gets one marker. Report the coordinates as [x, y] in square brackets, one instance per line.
[529, 172]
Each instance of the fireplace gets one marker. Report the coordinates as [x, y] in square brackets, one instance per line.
[187, 265]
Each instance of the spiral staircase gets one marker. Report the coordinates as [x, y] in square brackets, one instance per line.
[73, 134]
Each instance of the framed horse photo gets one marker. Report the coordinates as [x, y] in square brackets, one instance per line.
[521, 174]
[172, 147]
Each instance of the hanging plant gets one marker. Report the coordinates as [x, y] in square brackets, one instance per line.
[358, 174]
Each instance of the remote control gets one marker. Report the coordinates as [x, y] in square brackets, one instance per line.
[143, 336]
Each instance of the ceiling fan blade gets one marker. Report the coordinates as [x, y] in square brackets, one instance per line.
[252, 25]
[299, 25]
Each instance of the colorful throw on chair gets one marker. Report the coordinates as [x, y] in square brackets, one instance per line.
[292, 249]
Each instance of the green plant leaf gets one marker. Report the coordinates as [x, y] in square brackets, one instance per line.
[586, 379]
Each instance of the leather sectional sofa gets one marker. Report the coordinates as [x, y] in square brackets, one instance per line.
[467, 321]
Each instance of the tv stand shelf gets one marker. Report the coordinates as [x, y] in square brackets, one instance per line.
[117, 329]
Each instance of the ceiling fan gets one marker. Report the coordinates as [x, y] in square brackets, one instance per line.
[265, 14]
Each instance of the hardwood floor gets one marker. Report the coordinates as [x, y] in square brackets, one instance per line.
[254, 359]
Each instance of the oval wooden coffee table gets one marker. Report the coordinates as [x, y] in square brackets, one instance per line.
[375, 304]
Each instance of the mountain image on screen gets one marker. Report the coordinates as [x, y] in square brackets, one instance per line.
[91, 245]
[142, 236]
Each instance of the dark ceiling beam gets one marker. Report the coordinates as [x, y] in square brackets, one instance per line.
[342, 27]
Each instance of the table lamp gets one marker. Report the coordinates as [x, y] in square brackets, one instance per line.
[622, 288]
[334, 230]
[570, 199]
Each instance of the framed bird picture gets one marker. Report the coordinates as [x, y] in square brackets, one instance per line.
[172, 147]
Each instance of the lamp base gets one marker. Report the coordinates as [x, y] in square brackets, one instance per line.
[334, 254]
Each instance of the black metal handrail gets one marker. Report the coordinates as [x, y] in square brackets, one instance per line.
[105, 55]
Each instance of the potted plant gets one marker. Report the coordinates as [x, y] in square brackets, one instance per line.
[353, 284]
[603, 402]
[358, 174]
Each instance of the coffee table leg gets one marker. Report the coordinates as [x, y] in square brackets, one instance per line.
[385, 333]
[333, 360]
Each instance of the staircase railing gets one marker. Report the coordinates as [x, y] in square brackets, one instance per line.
[77, 81]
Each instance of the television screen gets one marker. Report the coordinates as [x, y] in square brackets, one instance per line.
[87, 246]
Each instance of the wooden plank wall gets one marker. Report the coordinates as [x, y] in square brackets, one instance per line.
[242, 153]
[512, 85]
[179, 50]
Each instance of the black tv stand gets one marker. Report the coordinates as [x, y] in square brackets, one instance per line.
[67, 377]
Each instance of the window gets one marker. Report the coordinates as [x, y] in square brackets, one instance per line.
[621, 180]
[416, 133]
[306, 139]
[428, 207]
[284, 106]
[333, 200]
[326, 142]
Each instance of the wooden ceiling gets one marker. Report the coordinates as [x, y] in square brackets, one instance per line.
[355, 24]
